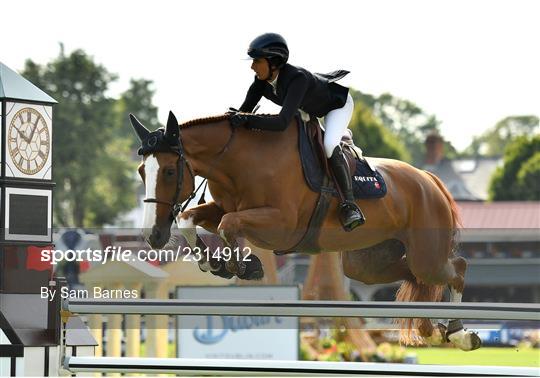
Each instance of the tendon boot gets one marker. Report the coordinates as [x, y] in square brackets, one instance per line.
[350, 214]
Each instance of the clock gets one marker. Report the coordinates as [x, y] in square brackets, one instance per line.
[29, 141]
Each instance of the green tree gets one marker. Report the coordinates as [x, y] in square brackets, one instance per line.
[494, 141]
[136, 99]
[89, 166]
[406, 120]
[519, 177]
[529, 178]
[372, 137]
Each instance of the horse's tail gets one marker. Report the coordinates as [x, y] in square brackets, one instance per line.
[413, 291]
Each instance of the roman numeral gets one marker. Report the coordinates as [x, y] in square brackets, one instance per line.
[29, 117]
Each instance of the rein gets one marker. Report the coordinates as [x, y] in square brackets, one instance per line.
[176, 207]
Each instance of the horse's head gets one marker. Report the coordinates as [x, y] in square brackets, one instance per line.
[167, 176]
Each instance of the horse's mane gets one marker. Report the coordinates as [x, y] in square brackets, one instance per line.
[200, 121]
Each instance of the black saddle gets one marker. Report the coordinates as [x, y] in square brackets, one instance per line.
[367, 182]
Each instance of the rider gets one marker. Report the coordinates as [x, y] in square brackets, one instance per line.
[295, 88]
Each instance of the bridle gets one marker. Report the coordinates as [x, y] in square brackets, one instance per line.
[176, 207]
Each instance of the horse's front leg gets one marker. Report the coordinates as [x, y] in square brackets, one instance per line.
[207, 216]
[235, 225]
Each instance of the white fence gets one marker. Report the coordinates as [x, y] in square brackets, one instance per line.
[439, 310]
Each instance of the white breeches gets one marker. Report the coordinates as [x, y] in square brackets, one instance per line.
[335, 124]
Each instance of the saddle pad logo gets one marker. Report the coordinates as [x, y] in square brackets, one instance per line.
[365, 179]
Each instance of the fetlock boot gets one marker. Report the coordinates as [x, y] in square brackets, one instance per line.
[350, 214]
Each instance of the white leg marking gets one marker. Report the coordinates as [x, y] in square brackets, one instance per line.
[151, 168]
[205, 266]
[188, 230]
[455, 296]
[222, 234]
[464, 339]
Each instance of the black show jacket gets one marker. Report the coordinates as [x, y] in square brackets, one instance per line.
[296, 88]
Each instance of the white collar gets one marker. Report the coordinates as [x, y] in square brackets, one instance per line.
[274, 82]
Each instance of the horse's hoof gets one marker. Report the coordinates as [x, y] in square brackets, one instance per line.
[254, 269]
[222, 272]
[465, 340]
[204, 266]
[236, 267]
[476, 341]
[212, 265]
[215, 265]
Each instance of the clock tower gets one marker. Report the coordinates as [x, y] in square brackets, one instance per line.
[26, 115]
[26, 191]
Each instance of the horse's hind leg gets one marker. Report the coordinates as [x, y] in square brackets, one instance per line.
[455, 333]
[378, 264]
[428, 252]
[434, 271]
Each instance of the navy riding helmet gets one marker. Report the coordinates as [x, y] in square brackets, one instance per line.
[271, 46]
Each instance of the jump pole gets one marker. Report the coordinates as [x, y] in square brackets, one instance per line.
[439, 310]
[186, 366]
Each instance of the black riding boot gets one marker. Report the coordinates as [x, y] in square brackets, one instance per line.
[350, 214]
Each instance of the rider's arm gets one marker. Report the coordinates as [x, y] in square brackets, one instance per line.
[293, 99]
[253, 96]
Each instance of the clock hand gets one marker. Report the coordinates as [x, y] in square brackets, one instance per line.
[22, 135]
[33, 131]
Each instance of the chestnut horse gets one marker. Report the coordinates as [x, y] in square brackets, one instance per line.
[259, 193]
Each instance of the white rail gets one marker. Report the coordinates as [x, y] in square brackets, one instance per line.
[275, 368]
[441, 310]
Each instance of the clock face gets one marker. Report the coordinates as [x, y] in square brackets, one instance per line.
[28, 141]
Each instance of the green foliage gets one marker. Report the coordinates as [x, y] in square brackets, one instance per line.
[494, 141]
[519, 177]
[92, 170]
[405, 120]
[372, 137]
[112, 191]
[529, 178]
[137, 100]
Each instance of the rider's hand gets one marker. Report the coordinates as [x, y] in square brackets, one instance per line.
[238, 119]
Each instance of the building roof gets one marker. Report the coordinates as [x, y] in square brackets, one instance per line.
[501, 215]
[15, 87]
[466, 179]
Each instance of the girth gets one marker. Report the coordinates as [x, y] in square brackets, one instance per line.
[308, 242]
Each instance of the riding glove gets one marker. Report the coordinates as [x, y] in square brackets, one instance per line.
[238, 119]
